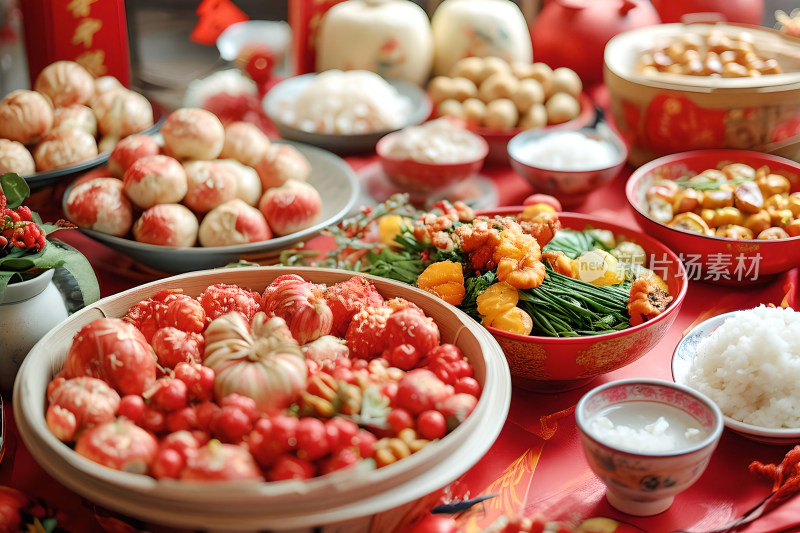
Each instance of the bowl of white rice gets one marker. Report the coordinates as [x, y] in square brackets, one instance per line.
[346, 112]
[748, 363]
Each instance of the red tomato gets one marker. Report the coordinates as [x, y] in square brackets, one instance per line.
[365, 442]
[284, 429]
[341, 433]
[182, 419]
[399, 419]
[389, 390]
[468, 385]
[431, 425]
[232, 424]
[341, 459]
[420, 390]
[404, 356]
[184, 442]
[289, 466]
[552, 201]
[312, 439]
[261, 443]
[198, 378]
[132, 407]
[153, 420]
[168, 464]
[168, 394]
[207, 414]
[245, 403]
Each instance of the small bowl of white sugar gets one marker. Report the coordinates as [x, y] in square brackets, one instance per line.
[648, 440]
[568, 164]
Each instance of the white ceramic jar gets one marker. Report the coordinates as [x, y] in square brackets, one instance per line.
[464, 28]
[28, 310]
[392, 38]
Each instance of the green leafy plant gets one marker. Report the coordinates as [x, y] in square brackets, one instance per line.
[26, 249]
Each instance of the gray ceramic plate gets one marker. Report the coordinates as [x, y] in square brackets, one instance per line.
[330, 175]
[681, 362]
[37, 180]
[289, 89]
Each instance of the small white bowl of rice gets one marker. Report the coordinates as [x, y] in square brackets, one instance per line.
[748, 363]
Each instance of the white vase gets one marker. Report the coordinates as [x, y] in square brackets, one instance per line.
[28, 310]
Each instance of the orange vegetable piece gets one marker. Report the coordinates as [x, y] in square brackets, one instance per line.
[515, 320]
[444, 279]
[498, 298]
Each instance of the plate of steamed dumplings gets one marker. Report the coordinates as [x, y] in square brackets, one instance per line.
[68, 122]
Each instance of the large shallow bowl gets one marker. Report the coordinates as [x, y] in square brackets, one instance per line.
[669, 113]
[498, 139]
[716, 259]
[571, 187]
[332, 177]
[286, 91]
[37, 180]
[344, 501]
[564, 363]
[682, 359]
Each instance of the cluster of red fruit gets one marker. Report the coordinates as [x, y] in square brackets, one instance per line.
[17, 228]
[298, 381]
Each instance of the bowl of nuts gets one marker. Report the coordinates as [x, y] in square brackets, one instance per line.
[498, 100]
[680, 87]
[732, 216]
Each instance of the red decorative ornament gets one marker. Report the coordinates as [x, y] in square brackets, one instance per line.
[574, 33]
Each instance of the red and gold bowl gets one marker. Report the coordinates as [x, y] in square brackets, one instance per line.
[663, 114]
[716, 259]
[565, 363]
[423, 177]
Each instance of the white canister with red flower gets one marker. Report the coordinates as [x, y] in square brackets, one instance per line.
[28, 310]
[392, 38]
[481, 28]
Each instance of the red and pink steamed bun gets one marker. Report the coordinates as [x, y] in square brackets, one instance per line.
[292, 207]
[209, 185]
[167, 225]
[233, 222]
[155, 179]
[193, 133]
[100, 204]
[128, 150]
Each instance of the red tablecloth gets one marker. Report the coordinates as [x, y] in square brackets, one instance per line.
[537, 463]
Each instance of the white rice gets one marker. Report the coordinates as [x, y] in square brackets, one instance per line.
[750, 367]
